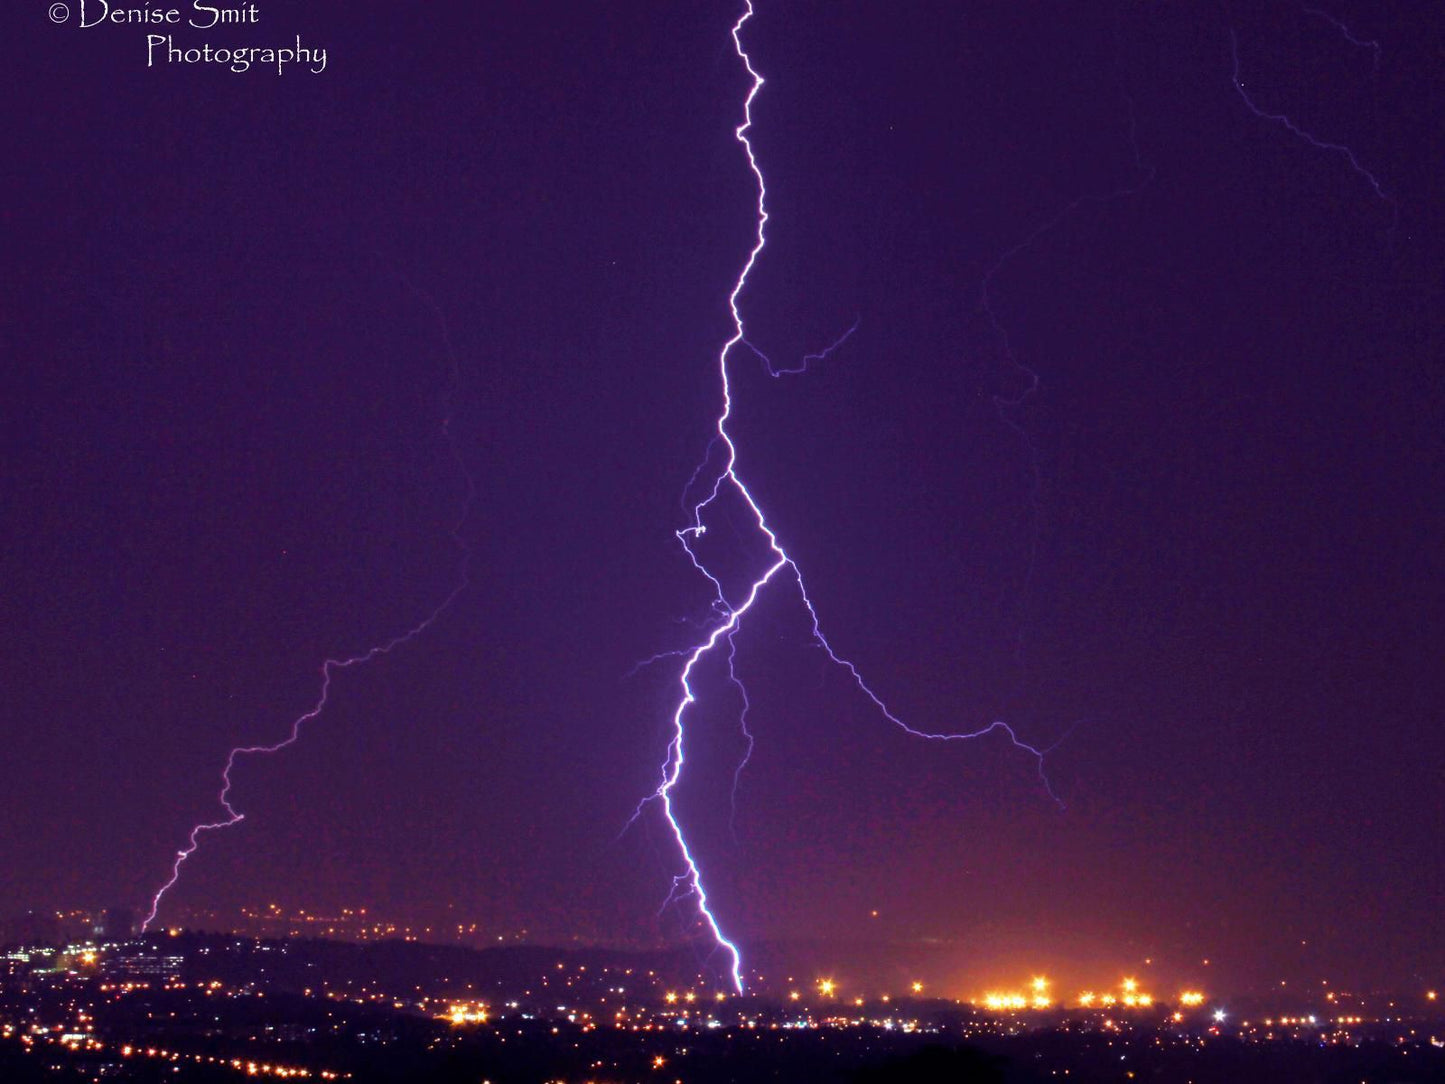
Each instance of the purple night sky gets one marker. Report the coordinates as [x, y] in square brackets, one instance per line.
[1203, 554]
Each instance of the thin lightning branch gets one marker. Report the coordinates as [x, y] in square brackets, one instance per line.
[645, 663]
[1003, 404]
[332, 665]
[743, 726]
[688, 884]
[1145, 174]
[1146, 177]
[887, 713]
[696, 474]
[802, 366]
[1373, 46]
[1289, 125]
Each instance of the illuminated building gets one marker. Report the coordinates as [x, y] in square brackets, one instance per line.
[143, 967]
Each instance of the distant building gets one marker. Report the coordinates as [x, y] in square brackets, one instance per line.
[12, 970]
[150, 967]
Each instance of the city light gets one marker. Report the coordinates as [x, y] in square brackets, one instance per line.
[461, 1014]
[997, 1001]
[572, 1001]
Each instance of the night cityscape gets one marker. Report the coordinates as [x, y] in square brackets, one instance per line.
[720, 542]
[213, 1006]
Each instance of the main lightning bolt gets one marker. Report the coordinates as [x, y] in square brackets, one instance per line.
[331, 666]
[688, 884]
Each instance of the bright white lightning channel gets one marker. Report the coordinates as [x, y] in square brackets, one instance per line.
[689, 883]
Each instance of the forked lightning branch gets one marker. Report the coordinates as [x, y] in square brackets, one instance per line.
[716, 479]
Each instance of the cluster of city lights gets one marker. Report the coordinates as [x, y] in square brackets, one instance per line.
[829, 988]
[460, 1013]
[87, 1042]
[250, 1068]
[1037, 996]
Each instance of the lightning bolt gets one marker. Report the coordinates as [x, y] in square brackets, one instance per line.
[1338, 24]
[1284, 121]
[688, 884]
[331, 666]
